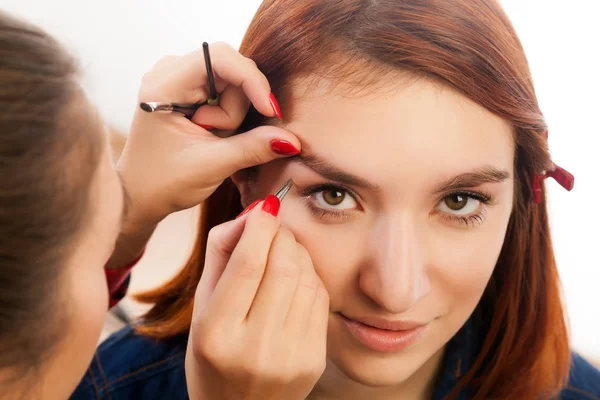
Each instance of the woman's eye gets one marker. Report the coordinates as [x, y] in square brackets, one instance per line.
[459, 204]
[334, 199]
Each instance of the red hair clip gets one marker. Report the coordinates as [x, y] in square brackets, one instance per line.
[559, 174]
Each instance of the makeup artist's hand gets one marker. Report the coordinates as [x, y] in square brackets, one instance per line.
[260, 316]
[171, 163]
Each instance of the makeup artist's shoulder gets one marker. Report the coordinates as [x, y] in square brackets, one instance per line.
[584, 381]
[130, 366]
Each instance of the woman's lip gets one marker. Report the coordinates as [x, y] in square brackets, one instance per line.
[385, 340]
[382, 323]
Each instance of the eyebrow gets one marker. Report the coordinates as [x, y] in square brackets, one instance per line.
[486, 174]
[333, 173]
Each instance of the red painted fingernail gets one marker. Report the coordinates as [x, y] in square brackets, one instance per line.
[271, 205]
[275, 105]
[207, 127]
[284, 147]
[248, 209]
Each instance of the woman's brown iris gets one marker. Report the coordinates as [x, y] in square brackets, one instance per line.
[333, 197]
[456, 202]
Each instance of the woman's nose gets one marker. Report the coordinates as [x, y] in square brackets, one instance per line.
[395, 274]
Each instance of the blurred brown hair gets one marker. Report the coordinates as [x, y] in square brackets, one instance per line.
[50, 147]
[471, 46]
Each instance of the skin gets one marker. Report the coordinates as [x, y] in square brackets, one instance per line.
[86, 294]
[397, 251]
[394, 254]
[171, 149]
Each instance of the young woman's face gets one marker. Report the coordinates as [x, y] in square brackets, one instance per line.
[402, 199]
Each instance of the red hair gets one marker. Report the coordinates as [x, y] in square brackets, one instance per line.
[471, 46]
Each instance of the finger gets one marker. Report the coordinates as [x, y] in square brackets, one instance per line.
[232, 109]
[222, 240]
[305, 294]
[228, 65]
[166, 62]
[317, 327]
[272, 303]
[235, 291]
[255, 147]
[243, 72]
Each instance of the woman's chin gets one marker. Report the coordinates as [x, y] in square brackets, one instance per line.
[381, 369]
[378, 372]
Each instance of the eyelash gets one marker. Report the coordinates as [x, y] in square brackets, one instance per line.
[336, 215]
[469, 220]
[321, 213]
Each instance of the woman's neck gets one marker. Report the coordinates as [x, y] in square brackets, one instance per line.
[334, 384]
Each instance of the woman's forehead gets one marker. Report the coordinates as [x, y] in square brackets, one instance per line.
[421, 128]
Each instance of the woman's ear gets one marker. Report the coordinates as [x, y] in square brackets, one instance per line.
[243, 181]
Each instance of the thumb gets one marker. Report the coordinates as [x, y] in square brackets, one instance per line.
[255, 147]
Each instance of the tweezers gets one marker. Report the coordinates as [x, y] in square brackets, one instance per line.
[188, 109]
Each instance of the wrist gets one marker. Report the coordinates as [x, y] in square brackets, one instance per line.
[124, 268]
[136, 225]
[139, 218]
[131, 243]
[141, 209]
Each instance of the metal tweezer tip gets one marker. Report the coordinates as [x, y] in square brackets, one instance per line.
[284, 189]
[153, 106]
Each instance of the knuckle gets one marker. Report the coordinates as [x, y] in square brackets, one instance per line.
[309, 282]
[211, 347]
[252, 156]
[221, 47]
[258, 365]
[286, 271]
[264, 79]
[220, 44]
[147, 84]
[316, 369]
[274, 374]
[251, 62]
[214, 236]
[230, 122]
[152, 80]
[263, 363]
[303, 254]
[285, 264]
[249, 368]
[247, 266]
[199, 93]
[312, 371]
[286, 236]
[146, 77]
[165, 60]
[282, 376]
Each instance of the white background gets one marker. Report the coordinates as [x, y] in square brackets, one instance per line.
[118, 40]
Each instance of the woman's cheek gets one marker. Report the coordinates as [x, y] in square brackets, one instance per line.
[461, 267]
[335, 249]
